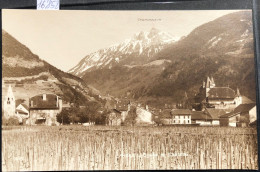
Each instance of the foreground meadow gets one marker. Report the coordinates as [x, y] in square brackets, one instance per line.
[103, 147]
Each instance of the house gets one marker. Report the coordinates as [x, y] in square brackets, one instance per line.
[22, 112]
[181, 116]
[218, 97]
[242, 116]
[201, 118]
[118, 111]
[215, 114]
[9, 103]
[114, 118]
[144, 116]
[43, 109]
[122, 105]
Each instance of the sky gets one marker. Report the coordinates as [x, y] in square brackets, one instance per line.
[64, 37]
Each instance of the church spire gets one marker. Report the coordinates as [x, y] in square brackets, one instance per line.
[212, 80]
[238, 92]
[208, 82]
[185, 95]
[10, 93]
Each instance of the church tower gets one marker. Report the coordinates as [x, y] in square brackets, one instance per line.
[210, 83]
[9, 103]
[238, 98]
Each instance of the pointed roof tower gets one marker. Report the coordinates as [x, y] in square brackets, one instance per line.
[212, 80]
[10, 93]
[238, 92]
[208, 82]
[185, 95]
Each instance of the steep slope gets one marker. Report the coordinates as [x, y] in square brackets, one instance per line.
[230, 35]
[137, 50]
[30, 75]
[123, 80]
[222, 48]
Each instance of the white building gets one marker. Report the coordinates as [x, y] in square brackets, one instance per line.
[9, 103]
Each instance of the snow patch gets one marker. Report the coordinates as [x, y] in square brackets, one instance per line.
[245, 34]
[157, 62]
[215, 42]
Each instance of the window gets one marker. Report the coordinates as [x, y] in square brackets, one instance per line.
[8, 100]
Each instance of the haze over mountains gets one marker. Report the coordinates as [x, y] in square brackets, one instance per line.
[166, 67]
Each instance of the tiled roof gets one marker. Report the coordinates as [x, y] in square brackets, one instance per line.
[239, 109]
[253, 123]
[227, 115]
[122, 105]
[25, 106]
[221, 93]
[166, 113]
[244, 107]
[246, 100]
[215, 113]
[181, 111]
[199, 115]
[37, 102]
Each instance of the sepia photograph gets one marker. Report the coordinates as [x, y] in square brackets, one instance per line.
[128, 90]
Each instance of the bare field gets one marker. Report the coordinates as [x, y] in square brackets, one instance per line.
[105, 147]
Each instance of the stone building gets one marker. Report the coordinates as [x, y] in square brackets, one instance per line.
[44, 108]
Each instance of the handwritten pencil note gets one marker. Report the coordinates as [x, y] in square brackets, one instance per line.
[48, 4]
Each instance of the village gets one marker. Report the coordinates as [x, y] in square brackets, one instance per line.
[214, 106]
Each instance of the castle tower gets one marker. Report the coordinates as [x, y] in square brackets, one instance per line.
[9, 103]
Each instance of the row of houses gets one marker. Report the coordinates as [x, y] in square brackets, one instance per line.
[42, 108]
[119, 112]
[214, 106]
[243, 115]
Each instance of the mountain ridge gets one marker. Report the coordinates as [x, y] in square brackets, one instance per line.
[141, 47]
[216, 48]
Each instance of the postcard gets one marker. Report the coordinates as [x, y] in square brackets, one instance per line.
[128, 90]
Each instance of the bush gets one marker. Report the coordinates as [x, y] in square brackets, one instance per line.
[63, 116]
[131, 117]
[12, 121]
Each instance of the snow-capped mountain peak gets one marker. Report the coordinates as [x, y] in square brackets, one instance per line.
[138, 49]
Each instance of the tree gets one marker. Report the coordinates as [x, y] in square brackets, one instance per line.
[101, 118]
[63, 116]
[91, 111]
[12, 121]
[131, 117]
